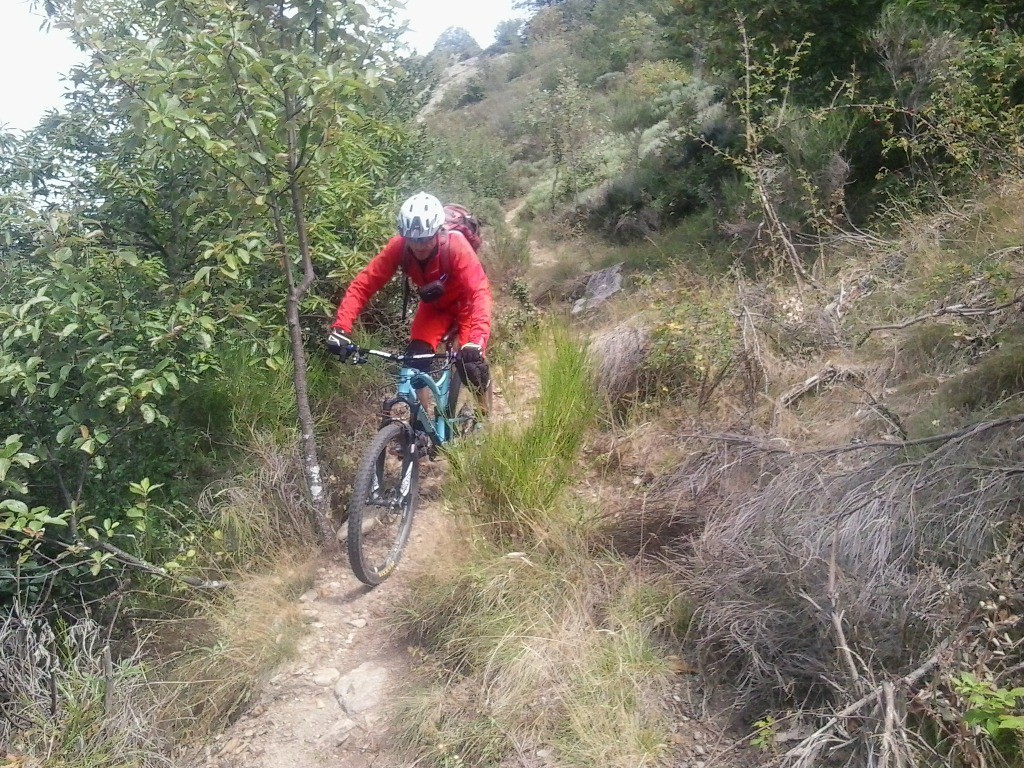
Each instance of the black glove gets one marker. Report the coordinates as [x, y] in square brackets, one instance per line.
[471, 353]
[339, 344]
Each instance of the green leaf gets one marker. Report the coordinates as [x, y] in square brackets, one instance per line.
[259, 157]
[15, 506]
[1011, 723]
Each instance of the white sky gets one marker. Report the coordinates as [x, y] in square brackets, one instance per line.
[33, 63]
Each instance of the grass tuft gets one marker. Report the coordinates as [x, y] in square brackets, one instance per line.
[70, 702]
[998, 376]
[511, 482]
[539, 651]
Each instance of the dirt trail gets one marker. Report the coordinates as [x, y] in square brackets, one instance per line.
[330, 705]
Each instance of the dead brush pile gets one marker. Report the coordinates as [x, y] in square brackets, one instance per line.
[839, 581]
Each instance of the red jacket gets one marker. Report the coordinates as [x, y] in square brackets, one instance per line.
[466, 284]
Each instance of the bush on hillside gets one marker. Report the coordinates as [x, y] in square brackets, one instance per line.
[818, 576]
[467, 162]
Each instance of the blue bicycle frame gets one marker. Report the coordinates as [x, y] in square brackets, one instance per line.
[439, 429]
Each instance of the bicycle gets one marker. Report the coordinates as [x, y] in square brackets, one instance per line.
[386, 485]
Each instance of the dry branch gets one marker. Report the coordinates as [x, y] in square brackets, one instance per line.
[828, 375]
[133, 562]
[971, 430]
[805, 753]
[958, 310]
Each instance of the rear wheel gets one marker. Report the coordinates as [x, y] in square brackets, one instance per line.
[383, 503]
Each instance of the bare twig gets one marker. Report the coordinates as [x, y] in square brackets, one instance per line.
[130, 560]
[837, 612]
[828, 375]
[968, 431]
[805, 752]
[888, 414]
[959, 310]
[888, 741]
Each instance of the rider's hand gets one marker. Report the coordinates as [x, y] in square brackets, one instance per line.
[339, 344]
[471, 353]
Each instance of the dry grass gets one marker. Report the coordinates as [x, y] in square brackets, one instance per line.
[618, 356]
[254, 515]
[821, 574]
[555, 645]
[540, 652]
[79, 698]
[248, 633]
[68, 701]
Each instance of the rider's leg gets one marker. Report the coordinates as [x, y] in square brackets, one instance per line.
[428, 326]
[419, 347]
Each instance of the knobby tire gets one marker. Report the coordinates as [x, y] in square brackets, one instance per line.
[381, 511]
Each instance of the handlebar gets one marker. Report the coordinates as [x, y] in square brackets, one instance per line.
[356, 355]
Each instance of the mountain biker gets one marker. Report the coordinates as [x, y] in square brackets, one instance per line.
[452, 287]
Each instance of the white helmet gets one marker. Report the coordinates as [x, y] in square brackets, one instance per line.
[420, 216]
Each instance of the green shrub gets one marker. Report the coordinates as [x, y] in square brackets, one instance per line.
[975, 119]
[694, 344]
[467, 161]
[998, 376]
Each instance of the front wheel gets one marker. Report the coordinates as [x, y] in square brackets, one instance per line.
[383, 503]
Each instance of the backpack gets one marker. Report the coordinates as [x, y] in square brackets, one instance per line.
[457, 218]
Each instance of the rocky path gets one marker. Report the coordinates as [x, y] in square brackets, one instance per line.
[329, 706]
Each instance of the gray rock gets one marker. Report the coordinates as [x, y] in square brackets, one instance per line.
[362, 688]
[325, 677]
[600, 287]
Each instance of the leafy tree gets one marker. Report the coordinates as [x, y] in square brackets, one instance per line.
[455, 43]
[838, 31]
[215, 152]
[508, 36]
[88, 356]
[246, 109]
[560, 119]
[970, 16]
[537, 5]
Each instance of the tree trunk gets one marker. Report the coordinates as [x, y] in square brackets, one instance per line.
[307, 440]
